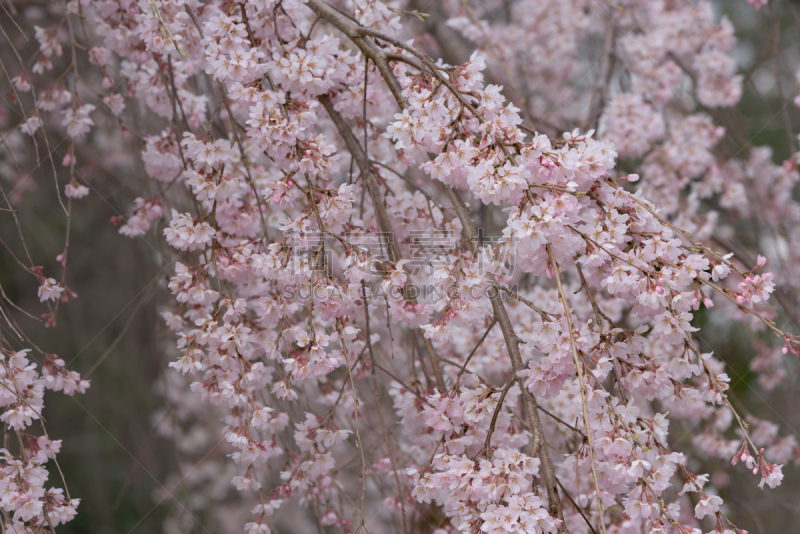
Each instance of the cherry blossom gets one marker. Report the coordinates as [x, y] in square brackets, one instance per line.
[315, 175]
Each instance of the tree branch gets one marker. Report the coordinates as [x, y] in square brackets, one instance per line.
[368, 172]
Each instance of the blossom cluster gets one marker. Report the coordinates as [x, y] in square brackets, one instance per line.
[298, 144]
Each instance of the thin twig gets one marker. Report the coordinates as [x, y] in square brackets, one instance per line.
[579, 371]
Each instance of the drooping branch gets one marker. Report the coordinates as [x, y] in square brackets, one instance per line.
[389, 441]
[512, 345]
[368, 174]
[367, 47]
[357, 33]
[579, 371]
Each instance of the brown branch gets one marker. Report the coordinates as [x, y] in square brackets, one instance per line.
[579, 371]
[367, 47]
[357, 34]
[389, 444]
[780, 292]
[471, 354]
[578, 508]
[368, 172]
[487, 447]
[512, 344]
